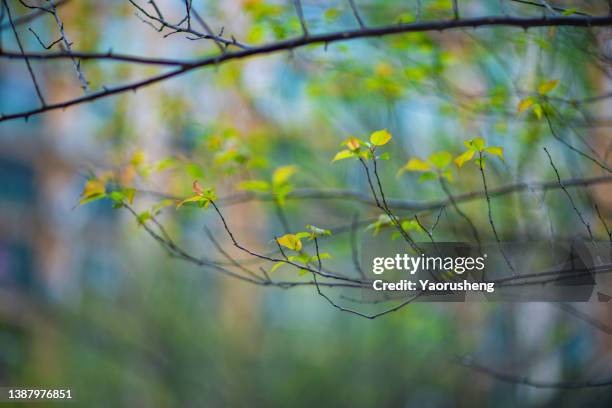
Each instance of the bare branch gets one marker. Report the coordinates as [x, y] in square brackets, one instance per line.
[300, 13]
[46, 47]
[323, 39]
[515, 379]
[27, 61]
[571, 200]
[356, 13]
[68, 45]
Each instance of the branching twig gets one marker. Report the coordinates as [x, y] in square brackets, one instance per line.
[571, 200]
[325, 39]
[27, 61]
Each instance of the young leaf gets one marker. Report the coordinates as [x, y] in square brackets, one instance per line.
[429, 175]
[300, 235]
[380, 137]
[416, 164]
[282, 174]
[93, 187]
[317, 232]
[277, 265]
[197, 188]
[343, 154]
[464, 157]
[546, 87]
[537, 109]
[495, 150]
[384, 156]
[138, 158]
[196, 198]
[290, 241]
[260, 186]
[94, 190]
[477, 143]
[525, 104]
[447, 175]
[440, 159]
[352, 143]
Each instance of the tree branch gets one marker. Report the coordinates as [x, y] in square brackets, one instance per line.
[492, 21]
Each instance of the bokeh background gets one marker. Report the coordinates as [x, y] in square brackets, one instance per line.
[89, 301]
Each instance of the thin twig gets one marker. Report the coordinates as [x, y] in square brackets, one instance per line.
[326, 38]
[27, 61]
[571, 200]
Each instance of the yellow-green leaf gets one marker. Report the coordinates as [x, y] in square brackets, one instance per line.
[196, 198]
[380, 137]
[547, 86]
[290, 241]
[429, 175]
[282, 174]
[537, 109]
[416, 164]
[276, 266]
[495, 150]
[255, 185]
[477, 143]
[343, 154]
[525, 104]
[440, 159]
[464, 157]
[138, 158]
[93, 187]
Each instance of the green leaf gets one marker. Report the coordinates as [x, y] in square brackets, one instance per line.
[447, 175]
[161, 205]
[143, 217]
[343, 154]
[383, 221]
[569, 12]
[282, 174]
[495, 150]
[476, 143]
[547, 86]
[440, 159]
[430, 175]
[537, 109]
[411, 225]
[259, 186]
[380, 137]
[323, 255]
[196, 199]
[384, 156]
[304, 234]
[482, 162]
[464, 157]
[317, 232]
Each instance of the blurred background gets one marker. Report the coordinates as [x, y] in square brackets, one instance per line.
[90, 302]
